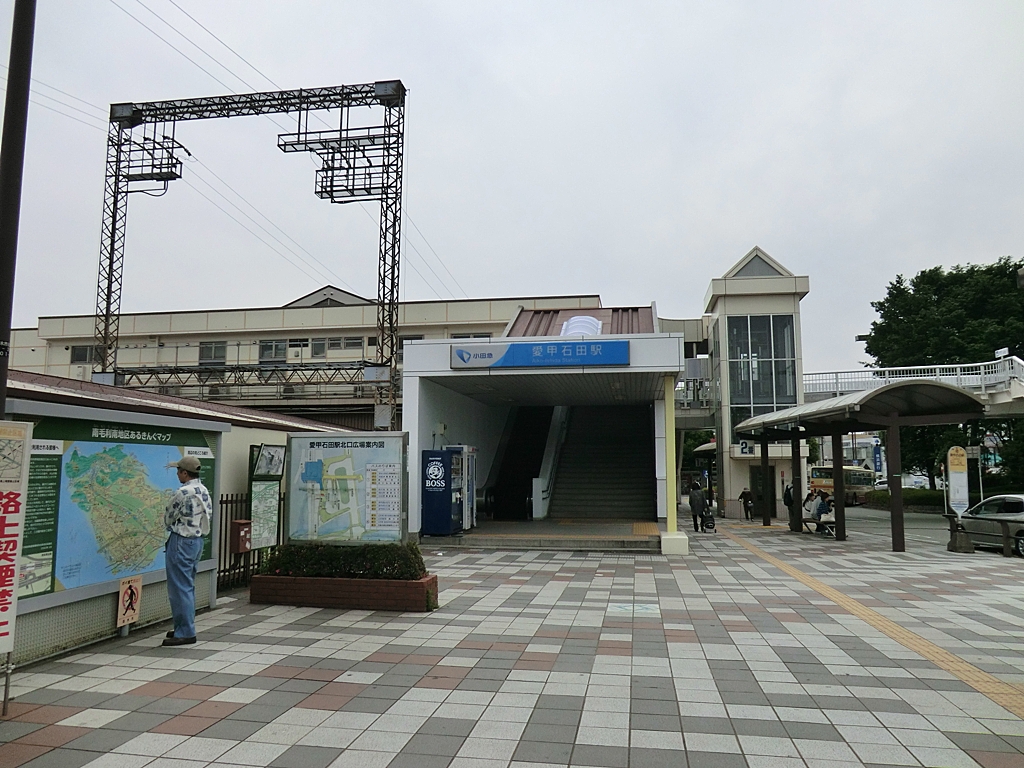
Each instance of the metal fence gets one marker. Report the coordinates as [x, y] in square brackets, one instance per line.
[982, 378]
[236, 570]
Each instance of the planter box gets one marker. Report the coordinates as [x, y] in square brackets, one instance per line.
[364, 594]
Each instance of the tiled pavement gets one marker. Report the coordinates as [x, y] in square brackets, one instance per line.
[542, 659]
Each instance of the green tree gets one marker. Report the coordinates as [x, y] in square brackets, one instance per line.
[942, 317]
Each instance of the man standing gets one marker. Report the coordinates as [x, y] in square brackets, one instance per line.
[187, 520]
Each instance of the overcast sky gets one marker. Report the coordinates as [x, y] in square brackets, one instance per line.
[634, 150]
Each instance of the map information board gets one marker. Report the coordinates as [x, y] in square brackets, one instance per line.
[348, 487]
[265, 498]
[96, 499]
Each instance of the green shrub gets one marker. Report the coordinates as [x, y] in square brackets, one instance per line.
[917, 497]
[367, 561]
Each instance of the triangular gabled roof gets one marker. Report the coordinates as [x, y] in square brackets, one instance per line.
[757, 263]
[328, 296]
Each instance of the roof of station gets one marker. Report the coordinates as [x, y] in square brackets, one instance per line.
[614, 320]
[56, 389]
[903, 403]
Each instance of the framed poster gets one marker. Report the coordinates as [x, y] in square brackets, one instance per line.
[348, 488]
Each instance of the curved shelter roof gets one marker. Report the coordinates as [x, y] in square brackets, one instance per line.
[912, 402]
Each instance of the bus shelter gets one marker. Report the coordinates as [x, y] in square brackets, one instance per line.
[911, 403]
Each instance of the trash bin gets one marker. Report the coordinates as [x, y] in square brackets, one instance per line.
[241, 536]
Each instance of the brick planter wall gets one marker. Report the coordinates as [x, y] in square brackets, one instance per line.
[364, 594]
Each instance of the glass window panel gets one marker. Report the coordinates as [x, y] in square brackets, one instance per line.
[739, 414]
[785, 341]
[353, 342]
[336, 343]
[785, 382]
[761, 337]
[319, 347]
[739, 342]
[761, 381]
[761, 410]
[739, 381]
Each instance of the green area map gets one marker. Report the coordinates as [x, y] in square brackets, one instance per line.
[126, 511]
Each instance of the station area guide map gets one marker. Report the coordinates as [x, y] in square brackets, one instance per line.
[346, 488]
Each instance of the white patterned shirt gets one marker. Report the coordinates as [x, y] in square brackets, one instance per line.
[189, 511]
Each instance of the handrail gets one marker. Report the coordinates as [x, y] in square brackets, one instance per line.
[992, 376]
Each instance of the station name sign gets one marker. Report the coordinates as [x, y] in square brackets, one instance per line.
[574, 353]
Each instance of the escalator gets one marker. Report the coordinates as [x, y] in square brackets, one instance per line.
[510, 495]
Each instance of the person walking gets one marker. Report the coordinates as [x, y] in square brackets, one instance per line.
[748, 503]
[187, 520]
[698, 506]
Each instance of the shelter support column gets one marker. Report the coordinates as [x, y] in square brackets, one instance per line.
[796, 508]
[766, 502]
[895, 477]
[671, 471]
[839, 484]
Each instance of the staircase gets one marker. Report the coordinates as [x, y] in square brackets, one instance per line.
[606, 469]
[521, 463]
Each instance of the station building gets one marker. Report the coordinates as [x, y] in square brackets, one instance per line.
[575, 408]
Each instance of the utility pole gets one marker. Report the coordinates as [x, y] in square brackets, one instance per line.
[12, 166]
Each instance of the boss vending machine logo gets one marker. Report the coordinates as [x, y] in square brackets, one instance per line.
[434, 474]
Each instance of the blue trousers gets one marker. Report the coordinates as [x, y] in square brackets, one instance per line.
[181, 557]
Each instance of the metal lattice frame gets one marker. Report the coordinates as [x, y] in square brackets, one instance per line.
[358, 164]
[115, 218]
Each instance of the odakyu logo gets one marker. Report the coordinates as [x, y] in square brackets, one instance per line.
[434, 474]
[463, 355]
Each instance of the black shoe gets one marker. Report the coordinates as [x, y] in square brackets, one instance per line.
[170, 634]
[172, 641]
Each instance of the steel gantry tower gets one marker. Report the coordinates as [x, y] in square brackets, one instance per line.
[358, 164]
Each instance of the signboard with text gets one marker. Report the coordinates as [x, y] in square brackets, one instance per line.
[129, 600]
[15, 440]
[956, 475]
[97, 492]
[570, 352]
[348, 487]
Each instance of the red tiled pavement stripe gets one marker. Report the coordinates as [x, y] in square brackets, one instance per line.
[49, 714]
[53, 735]
[199, 692]
[13, 755]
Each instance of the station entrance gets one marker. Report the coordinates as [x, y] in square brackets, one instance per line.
[563, 444]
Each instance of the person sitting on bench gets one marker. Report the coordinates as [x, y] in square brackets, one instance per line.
[822, 509]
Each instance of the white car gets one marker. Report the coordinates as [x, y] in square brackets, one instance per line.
[982, 521]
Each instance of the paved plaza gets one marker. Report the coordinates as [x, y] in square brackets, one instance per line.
[762, 648]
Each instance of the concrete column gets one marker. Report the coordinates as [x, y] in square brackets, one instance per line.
[895, 471]
[766, 502]
[671, 472]
[796, 511]
[839, 485]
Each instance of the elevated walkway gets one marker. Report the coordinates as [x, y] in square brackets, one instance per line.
[999, 383]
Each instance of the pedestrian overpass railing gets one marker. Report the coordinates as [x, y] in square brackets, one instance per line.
[979, 378]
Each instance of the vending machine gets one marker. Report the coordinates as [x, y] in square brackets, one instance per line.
[449, 490]
[468, 466]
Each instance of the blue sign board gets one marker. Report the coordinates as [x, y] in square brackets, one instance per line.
[878, 459]
[566, 353]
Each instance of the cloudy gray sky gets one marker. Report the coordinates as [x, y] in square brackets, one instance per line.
[631, 149]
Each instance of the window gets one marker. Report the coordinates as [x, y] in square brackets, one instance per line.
[213, 352]
[371, 341]
[353, 342]
[298, 343]
[471, 335]
[334, 343]
[762, 364]
[319, 347]
[86, 354]
[273, 351]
